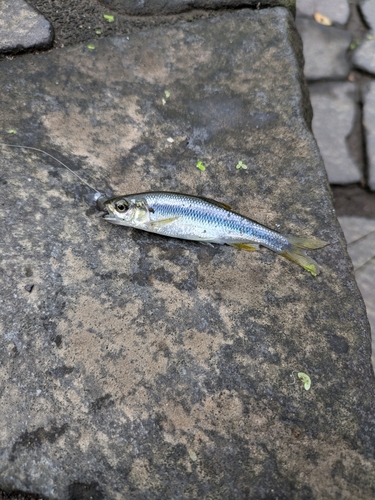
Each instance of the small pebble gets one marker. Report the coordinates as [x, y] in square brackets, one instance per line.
[29, 288]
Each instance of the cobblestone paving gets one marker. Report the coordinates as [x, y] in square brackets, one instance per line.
[344, 118]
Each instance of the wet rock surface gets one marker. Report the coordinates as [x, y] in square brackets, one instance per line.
[140, 366]
[334, 107]
[22, 28]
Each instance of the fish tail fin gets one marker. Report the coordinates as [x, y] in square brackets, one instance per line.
[306, 243]
[295, 252]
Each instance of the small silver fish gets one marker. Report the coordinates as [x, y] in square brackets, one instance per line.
[201, 219]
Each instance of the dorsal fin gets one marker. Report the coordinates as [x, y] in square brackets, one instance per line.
[218, 203]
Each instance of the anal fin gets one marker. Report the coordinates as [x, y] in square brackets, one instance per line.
[246, 246]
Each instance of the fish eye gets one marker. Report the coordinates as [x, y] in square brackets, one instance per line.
[121, 206]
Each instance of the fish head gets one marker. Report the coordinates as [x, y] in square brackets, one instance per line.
[124, 211]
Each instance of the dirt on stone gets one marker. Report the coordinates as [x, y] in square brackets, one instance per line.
[77, 21]
[353, 200]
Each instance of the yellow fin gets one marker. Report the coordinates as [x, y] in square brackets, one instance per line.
[294, 252]
[246, 246]
[160, 223]
[307, 243]
[298, 256]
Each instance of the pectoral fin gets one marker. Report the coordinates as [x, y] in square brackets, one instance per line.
[163, 222]
[246, 246]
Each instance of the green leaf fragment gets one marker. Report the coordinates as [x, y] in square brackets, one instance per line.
[109, 18]
[354, 44]
[305, 379]
[98, 32]
[12, 131]
[167, 93]
[193, 455]
[370, 36]
[240, 164]
[91, 47]
[200, 166]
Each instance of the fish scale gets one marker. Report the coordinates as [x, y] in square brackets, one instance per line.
[197, 211]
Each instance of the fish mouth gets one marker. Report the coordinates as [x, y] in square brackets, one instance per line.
[107, 216]
[104, 207]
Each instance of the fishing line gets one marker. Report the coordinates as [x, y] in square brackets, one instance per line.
[61, 163]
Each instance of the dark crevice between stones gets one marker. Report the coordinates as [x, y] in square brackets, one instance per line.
[363, 147]
[355, 140]
[356, 199]
[353, 200]
[223, 8]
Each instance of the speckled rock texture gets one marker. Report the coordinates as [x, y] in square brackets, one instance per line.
[152, 7]
[136, 366]
[22, 28]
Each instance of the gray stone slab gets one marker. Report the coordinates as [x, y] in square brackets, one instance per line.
[145, 367]
[362, 251]
[337, 11]
[157, 7]
[324, 49]
[356, 228]
[359, 233]
[364, 56]
[368, 11]
[22, 28]
[334, 106]
[369, 127]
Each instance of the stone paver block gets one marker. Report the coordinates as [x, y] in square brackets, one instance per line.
[360, 234]
[324, 49]
[136, 366]
[369, 126]
[334, 106]
[152, 7]
[362, 251]
[356, 228]
[336, 10]
[22, 27]
[364, 56]
[368, 11]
